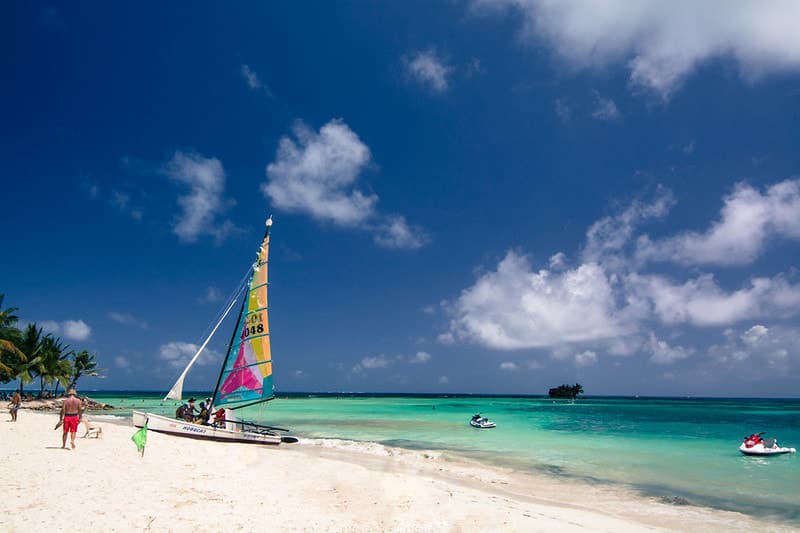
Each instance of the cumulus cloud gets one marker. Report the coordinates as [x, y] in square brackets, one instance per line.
[509, 366]
[607, 239]
[444, 380]
[607, 302]
[121, 362]
[754, 335]
[127, 319]
[74, 330]
[700, 301]
[428, 69]
[747, 220]
[662, 43]
[585, 358]
[664, 354]
[396, 233]
[758, 351]
[316, 175]
[513, 307]
[420, 357]
[204, 202]
[177, 354]
[370, 363]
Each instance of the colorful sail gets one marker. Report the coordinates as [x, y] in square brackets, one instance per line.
[247, 372]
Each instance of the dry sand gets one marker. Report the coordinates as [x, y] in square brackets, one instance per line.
[190, 485]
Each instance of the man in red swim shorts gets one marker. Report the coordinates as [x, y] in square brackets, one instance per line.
[70, 416]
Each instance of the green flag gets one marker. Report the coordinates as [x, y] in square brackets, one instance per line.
[140, 438]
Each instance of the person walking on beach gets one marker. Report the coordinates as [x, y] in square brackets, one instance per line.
[13, 407]
[70, 415]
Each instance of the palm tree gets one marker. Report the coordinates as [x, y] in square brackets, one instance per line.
[9, 336]
[83, 364]
[7, 316]
[53, 365]
[29, 349]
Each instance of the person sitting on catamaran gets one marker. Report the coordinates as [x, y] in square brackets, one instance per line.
[186, 411]
[219, 417]
[204, 414]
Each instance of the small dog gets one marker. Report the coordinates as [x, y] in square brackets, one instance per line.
[94, 433]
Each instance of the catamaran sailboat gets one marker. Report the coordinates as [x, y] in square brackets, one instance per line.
[246, 374]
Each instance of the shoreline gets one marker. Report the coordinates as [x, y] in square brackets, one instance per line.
[316, 484]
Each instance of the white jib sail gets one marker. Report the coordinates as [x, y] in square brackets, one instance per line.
[176, 391]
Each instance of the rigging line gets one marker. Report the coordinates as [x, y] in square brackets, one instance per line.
[235, 294]
[232, 298]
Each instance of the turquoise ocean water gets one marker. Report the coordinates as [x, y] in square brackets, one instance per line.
[662, 447]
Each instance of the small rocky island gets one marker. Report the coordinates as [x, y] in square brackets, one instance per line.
[566, 391]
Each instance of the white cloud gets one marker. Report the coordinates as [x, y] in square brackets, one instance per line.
[605, 109]
[515, 308]
[121, 362]
[204, 202]
[251, 77]
[128, 319]
[754, 335]
[178, 354]
[420, 357]
[427, 68]
[509, 365]
[664, 354]
[747, 220]
[253, 80]
[75, 330]
[759, 351]
[585, 358]
[607, 238]
[608, 300]
[316, 175]
[446, 338]
[444, 380]
[396, 233]
[662, 43]
[701, 302]
[379, 361]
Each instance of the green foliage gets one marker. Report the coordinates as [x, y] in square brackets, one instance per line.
[28, 354]
[83, 364]
[566, 391]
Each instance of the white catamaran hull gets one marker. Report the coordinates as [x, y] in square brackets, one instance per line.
[172, 426]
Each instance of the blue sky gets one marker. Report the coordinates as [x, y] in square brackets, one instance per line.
[469, 196]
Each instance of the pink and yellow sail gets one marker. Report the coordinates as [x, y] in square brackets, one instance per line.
[246, 375]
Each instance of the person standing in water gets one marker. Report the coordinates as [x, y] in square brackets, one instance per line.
[70, 416]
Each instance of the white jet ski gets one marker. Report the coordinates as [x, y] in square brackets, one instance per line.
[481, 422]
[755, 445]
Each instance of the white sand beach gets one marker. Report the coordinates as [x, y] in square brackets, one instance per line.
[190, 485]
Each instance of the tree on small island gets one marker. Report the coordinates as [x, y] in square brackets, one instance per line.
[566, 391]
